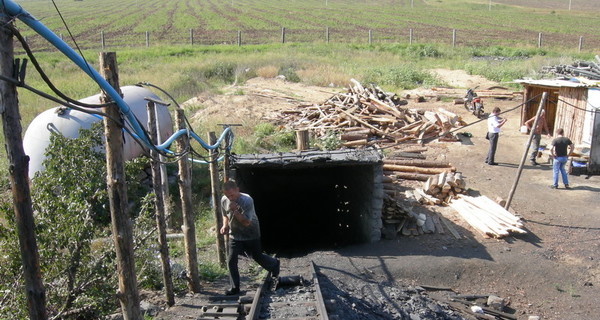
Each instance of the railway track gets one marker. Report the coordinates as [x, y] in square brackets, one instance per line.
[295, 295]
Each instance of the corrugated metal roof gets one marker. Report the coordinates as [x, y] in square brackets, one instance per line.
[579, 83]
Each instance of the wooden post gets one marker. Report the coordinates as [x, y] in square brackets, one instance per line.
[216, 200]
[410, 36]
[580, 43]
[302, 140]
[453, 38]
[18, 166]
[147, 39]
[537, 116]
[239, 38]
[282, 34]
[102, 42]
[370, 37]
[539, 40]
[159, 207]
[327, 34]
[185, 191]
[192, 36]
[117, 196]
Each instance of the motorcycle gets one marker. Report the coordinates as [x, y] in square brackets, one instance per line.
[473, 103]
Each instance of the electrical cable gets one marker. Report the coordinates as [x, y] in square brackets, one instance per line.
[47, 80]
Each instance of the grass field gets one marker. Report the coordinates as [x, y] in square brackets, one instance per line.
[125, 23]
[186, 70]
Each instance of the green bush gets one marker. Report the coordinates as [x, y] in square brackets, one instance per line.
[72, 232]
[404, 77]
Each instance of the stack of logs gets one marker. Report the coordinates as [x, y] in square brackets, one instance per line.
[398, 215]
[400, 219]
[411, 165]
[368, 116]
[441, 189]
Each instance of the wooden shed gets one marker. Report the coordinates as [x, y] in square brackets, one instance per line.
[573, 106]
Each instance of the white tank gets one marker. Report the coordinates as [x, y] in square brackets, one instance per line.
[68, 123]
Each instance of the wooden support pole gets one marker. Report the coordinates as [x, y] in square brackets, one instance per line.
[526, 152]
[239, 38]
[453, 38]
[216, 200]
[102, 41]
[185, 191]
[159, 207]
[147, 39]
[539, 40]
[282, 34]
[302, 140]
[192, 36]
[580, 43]
[122, 233]
[327, 34]
[18, 167]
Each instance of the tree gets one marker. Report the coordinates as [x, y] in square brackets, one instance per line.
[72, 227]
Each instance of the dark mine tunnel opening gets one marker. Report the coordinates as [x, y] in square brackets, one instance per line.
[310, 206]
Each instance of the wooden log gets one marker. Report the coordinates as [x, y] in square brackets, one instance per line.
[418, 163]
[355, 143]
[392, 167]
[409, 155]
[354, 136]
[302, 140]
[412, 176]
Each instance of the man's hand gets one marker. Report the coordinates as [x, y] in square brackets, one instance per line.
[224, 229]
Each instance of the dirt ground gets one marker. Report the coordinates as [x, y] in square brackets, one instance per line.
[551, 272]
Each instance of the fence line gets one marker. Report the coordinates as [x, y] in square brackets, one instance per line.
[454, 38]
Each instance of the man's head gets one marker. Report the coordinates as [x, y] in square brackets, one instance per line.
[496, 110]
[231, 190]
[560, 131]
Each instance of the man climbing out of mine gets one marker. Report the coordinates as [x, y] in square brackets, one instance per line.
[241, 223]
[540, 128]
[494, 123]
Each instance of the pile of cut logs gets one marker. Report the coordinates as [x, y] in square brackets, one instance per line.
[399, 219]
[587, 69]
[368, 116]
[441, 189]
[411, 165]
[486, 216]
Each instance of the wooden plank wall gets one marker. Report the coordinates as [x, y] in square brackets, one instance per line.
[570, 112]
[530, 108]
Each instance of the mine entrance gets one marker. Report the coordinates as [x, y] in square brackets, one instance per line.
[313, 200]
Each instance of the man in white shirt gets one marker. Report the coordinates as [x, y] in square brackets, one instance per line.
[494, 123]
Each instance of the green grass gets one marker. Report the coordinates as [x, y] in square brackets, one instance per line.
[171, 21]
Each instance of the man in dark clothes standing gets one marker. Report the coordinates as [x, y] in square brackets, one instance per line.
[559, 151]
[241, 222]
